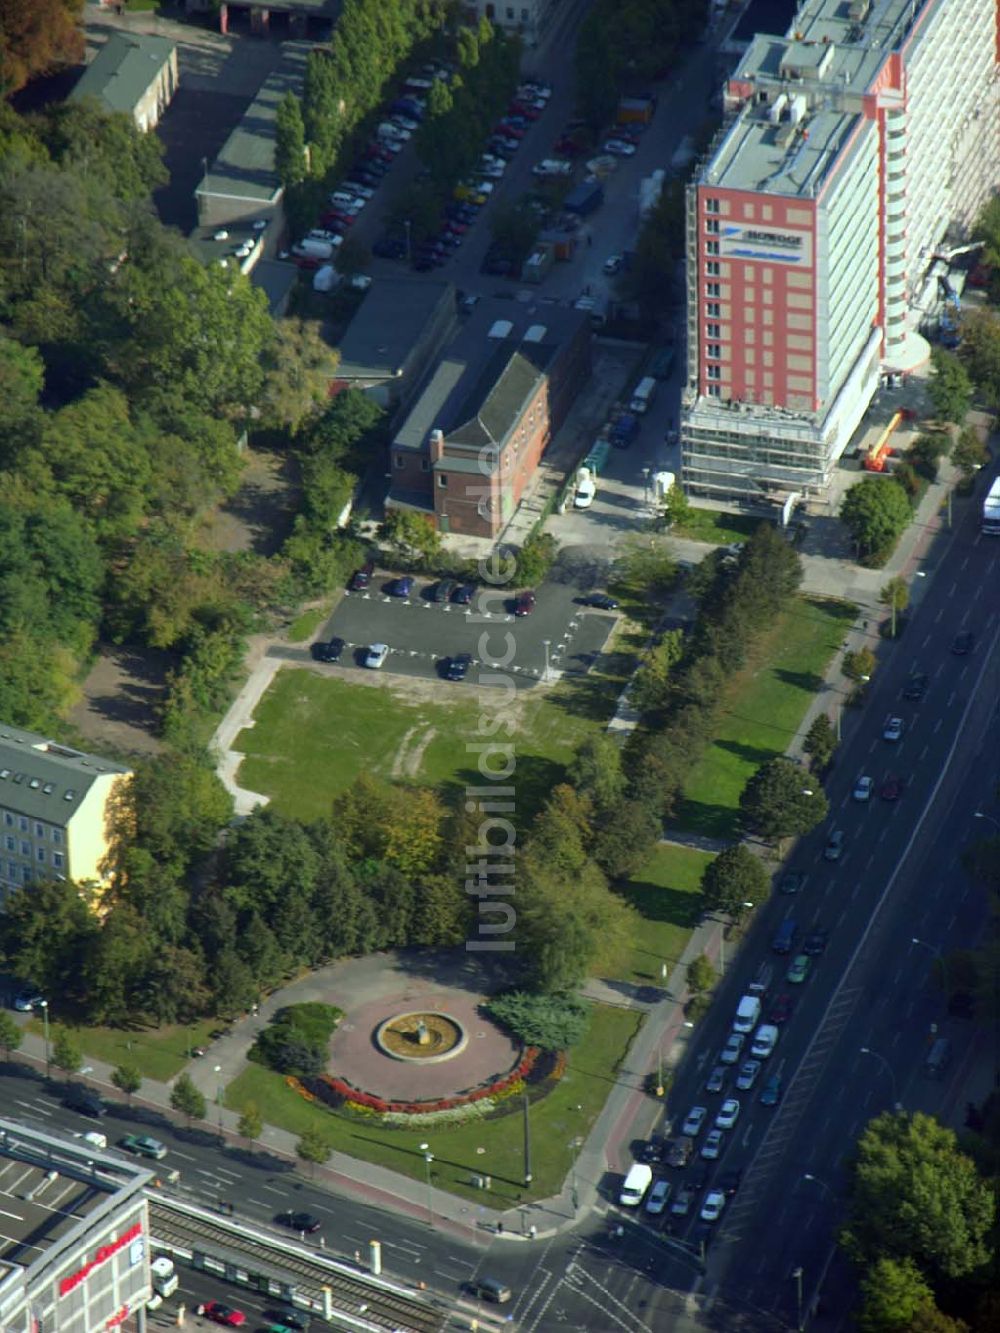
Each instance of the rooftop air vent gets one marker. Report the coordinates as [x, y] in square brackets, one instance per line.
[500, 328]
[535, 334]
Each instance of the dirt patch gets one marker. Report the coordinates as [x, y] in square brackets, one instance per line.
[260, 514]
[121, 695]
[410, 754]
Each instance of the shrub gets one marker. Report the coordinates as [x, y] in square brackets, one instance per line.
[295, 1040]
[553, 1022]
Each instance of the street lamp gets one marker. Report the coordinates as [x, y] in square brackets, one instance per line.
[428, 1158]
[527, 1140]
[797, 1275]
[979, 814]
[939, 955]
[48, 1053]
[406, 228]
[867, 1050]
[575, 1145]
[546, 643]
[217, 1070]
[816, 1181]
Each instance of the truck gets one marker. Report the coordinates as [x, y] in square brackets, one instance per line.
[596, 307]
[309, 248]
[164, 1279]
[552, 166]
[635, 110]
[598, 457]
[991, 510]
[587, 196]
[538, 263]
[650, 189]
[624, 430]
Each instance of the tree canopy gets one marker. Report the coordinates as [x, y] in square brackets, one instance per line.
[782, 800]
[876, 511]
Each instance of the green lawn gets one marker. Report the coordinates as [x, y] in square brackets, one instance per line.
[763, 711]
[665, 891]
[314, 735]
[715, 526]
[305, 626]
[568, 1112]
[160, 1053]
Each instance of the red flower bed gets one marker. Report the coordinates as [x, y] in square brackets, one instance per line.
[335, 1091]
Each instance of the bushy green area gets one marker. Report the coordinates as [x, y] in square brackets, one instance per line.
[295, 1040]
[566, 1113]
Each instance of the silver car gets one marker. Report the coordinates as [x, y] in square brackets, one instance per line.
[376, 656]
[732, 1050]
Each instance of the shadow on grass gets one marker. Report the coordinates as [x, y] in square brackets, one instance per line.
[753, 754]
[658, 903]
[534, 778]
[712, 821]
[800, 680]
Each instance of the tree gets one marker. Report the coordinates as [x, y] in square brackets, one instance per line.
[251, 1122]
[290, 161]
[11, 1035]
[969, 453]
[914, 1196]
[782, 800]
[926, 452]
[950, 388]
[626, 837]
[299, 366]
[535, 559]
[859, 665]
[186, 1099]
[895, 595]
[732, 880]
[313, 1147]
[46, 935]
[38, 38]
[596, 772]
[892, 1292]
[676, 508]
[552, 1022]
[701, 975]
[820, 742]
[980, 352]
[128, 1079]
[647, 564]
[413, 535]
[653, 680]
[66, 1054]
[876, 512]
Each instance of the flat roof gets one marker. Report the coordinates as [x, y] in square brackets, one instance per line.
[388, 324]
[822, 68]
[122, 70]
[244, 169]
[50, 1185]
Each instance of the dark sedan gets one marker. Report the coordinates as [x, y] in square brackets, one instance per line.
[600, 600]
[815, 943]
[916, 687]
[328, 650]
[463, 594]
[399, 587]
[524, 604]
[457, 667]
[443, 590]
[299, 1222]
[963, 643]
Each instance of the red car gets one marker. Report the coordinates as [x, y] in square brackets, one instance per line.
[510, 130]
[524, 604]
[455, 227]
[891, 788]
[223, 1314]
[782, 1008]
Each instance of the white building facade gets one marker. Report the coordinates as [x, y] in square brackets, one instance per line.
[856, 149]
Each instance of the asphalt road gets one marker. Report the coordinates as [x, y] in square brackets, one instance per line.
[422, 633]
[899, 877]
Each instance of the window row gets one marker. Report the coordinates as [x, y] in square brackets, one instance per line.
[24, 824]
[40, 853]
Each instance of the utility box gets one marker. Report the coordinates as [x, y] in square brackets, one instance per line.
[635, 110]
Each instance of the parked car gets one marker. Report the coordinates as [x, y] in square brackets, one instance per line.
[612, 264]
[443, 589]
[328, 650]
[656, 1199]
[457, 667]
[863, 788]
[600, 600]
[401, 587]
[728, 1113]
[387, 248]
[524, 604]
[695, 1120]
[619, 148]
[464, 594]
[361, 578]
[793, 882]
[679, 1152]
[781, 1010]
[770, 1093]
[28, 999]
[376, 655]
[733, 1049]
[716, 1080]
[729, 1181]
[683, 1200]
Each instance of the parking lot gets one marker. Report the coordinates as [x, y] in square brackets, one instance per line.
[422, 633]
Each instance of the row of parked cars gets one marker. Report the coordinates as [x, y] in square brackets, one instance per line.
[471, 195]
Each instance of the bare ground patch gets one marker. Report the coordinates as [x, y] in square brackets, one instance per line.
[260, 514]
[118, 711]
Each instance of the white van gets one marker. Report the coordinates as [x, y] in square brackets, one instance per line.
[586, 489]
[747, 1014]
[635, 1185]
[644, 393]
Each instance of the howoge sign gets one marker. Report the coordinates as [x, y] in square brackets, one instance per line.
[101, 1256]
[769, 245]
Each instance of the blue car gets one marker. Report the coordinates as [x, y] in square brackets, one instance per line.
[400, 587]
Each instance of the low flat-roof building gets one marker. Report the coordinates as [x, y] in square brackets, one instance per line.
[54, 811]
[242, 183]
[74, 1246]
[133, 73]
[470, 445]
[398, 329]
[299, 17]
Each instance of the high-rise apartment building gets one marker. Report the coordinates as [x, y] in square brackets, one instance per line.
[854, 148]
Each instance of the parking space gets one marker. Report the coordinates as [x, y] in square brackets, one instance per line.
[422, 633]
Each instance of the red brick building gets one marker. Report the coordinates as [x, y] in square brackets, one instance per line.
[475, 435]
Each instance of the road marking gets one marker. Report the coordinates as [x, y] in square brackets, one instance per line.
[952, 590]
[951, 699]
[922, 753]
[937, 725]
[939, 615]
[926, 641]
